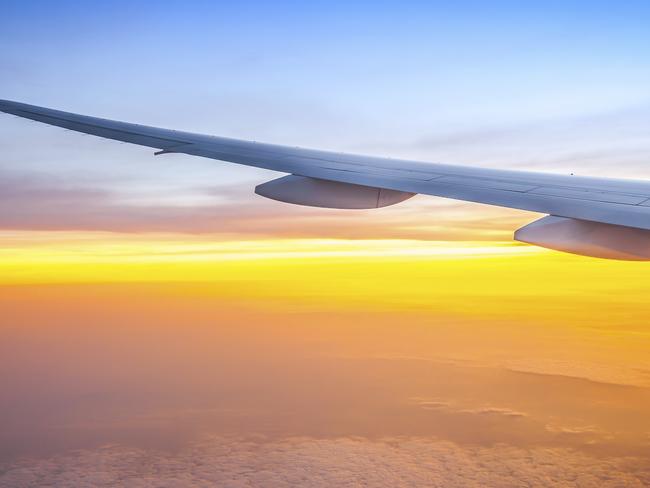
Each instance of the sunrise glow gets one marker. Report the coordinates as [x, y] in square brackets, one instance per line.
[161, 324]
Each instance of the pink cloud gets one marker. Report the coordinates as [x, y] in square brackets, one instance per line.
[37, 203]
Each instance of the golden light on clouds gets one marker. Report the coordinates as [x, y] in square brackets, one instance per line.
[158, 339]
[31, 257]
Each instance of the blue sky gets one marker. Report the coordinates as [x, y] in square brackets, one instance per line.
[419, 62]
[558, 86]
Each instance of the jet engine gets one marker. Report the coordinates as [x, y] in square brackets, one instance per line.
[587, 238]
[315, 192]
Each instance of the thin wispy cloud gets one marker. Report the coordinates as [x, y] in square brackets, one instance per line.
[40, 203]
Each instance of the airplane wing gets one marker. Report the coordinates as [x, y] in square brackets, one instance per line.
[600, 217]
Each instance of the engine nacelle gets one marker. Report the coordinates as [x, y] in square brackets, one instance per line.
[314, 192]
[587, 238]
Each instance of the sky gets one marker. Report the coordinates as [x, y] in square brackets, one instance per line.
[162, 325]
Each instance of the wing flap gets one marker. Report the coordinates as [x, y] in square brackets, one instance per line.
[606, 197]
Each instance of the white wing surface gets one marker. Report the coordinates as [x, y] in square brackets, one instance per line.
[330, 179]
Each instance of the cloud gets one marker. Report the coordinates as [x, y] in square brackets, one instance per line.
[577, 430]
[597, 374]
[431, 404]
[441, 405]
[37, 202]
[505, 412]
[313, 462]
[610, 143]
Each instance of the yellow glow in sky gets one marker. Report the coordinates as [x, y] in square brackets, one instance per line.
[481, 279]
[599, 307]
[154, 335]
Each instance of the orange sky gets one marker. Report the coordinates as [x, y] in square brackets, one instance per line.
[161, 324]
[153, 341]
[598, 307]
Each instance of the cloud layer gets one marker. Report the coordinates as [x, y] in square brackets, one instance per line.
[38, 203]
[341, 462]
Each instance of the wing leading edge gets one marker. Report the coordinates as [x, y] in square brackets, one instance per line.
[601, 200]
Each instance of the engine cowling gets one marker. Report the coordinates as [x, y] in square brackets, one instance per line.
[587, 238]
[315, 192]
